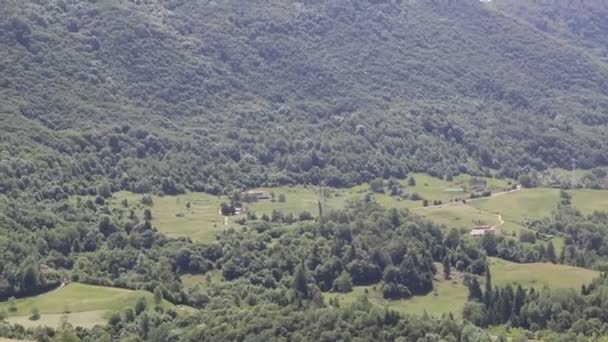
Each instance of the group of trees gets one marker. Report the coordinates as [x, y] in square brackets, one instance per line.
[584, 235]
[580, 313]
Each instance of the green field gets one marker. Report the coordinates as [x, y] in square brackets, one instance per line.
[300, 199]
[191, 280]
[432, 189]
[448, 296]
[589, 201]
[202, 221]
[520, 206]
[458, 216]
[88, 304]
[539, 275]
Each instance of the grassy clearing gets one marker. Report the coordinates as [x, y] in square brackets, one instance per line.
[588, 201]
[451, 295]
[448, 296]
[523, 205]
[299, 199]
[202, 221]
[432, 189]
[458, 216]
[90, 304]
[87, 319]
[192, 280]
[539, 275]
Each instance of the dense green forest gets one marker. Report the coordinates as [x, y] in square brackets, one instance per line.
[212, 96]
[170, 96]
[581, 23]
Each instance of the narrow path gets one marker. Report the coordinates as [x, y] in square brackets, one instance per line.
[500, 222]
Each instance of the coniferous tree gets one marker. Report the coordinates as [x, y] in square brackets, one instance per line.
[550, 250]
[488, 286]
[447, 267]
[300, 282]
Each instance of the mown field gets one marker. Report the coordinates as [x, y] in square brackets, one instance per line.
[459, 216]
[588, 201]
[520, 206]
[87, 305]
[538, 275]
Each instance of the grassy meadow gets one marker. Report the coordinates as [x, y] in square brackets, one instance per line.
[76, 297]
[520, 206]
[451, 295]
[448, 296]
[458, 215]
[192, 280]
[202, 221]
[538, 275]
[588, 201]
[87, 305]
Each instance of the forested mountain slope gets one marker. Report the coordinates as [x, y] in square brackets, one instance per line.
[209, 95]
[581, 23]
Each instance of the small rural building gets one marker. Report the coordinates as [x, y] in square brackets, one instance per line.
[257, 194]
[482, 230]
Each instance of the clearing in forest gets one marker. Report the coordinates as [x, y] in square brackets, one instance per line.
[520, 206]
[538, 275]
[450, 296]
[86, 305]
[195, 215]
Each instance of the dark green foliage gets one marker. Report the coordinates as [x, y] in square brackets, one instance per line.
[137, 108]
[447, 267]
[558, 310]
[343, 283]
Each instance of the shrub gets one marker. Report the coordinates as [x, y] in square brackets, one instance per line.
[35, 314]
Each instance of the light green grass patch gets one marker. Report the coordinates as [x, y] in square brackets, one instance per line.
[299, 199]
[202, 221]
[520, 206]
[432, 188]
[86, 319]
[211, 277]
[588, 201]
[457, 216]
[448, 296]
[76, 297]
[538, 275]
[429, 188]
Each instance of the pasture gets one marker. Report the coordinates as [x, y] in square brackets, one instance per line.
[87, 305]
[538, 275]
[520, 206]
[298, 199]
[588, 201]
[171, 216]
[458, 215]
[448, 296]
